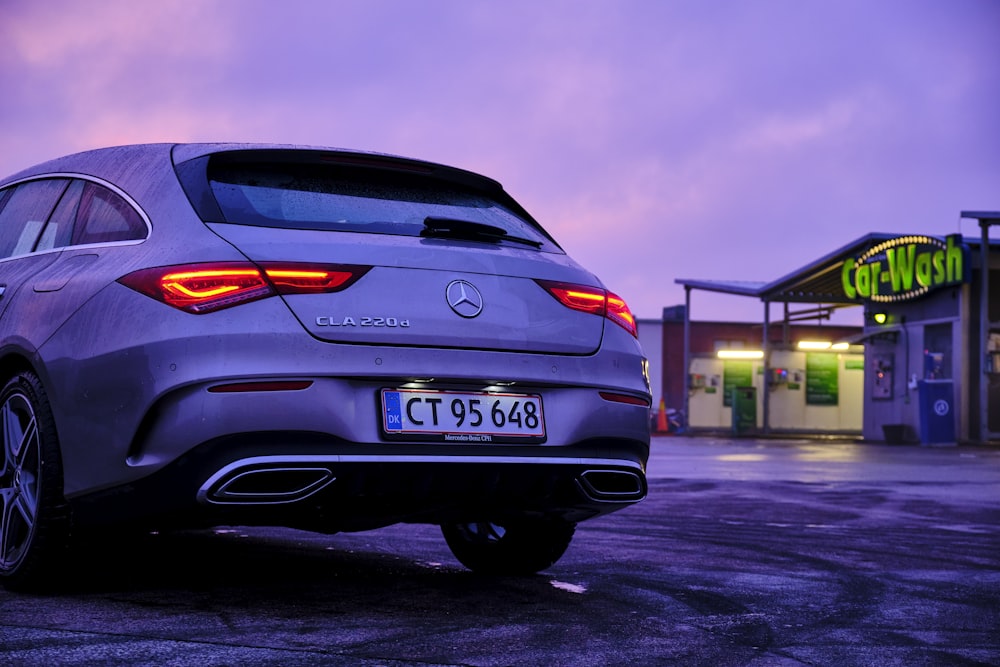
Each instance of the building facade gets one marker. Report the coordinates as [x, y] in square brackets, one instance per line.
[924, 367]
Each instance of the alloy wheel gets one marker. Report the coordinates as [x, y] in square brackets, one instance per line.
[20, 469]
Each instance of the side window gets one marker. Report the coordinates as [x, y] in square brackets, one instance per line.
[24, 214]
[59, 231]
[104, 217]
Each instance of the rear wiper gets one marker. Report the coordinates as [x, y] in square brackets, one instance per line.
[453, 228]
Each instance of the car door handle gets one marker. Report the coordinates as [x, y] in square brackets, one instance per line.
[3, 289]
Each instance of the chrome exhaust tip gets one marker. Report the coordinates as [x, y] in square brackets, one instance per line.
[266, 485]
[613, 485]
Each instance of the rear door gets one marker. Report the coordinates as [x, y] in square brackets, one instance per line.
[24, 211]
[70, 230]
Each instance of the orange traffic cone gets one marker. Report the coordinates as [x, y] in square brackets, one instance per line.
[661, 418]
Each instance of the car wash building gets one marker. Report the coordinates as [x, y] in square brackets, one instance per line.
[924, 367]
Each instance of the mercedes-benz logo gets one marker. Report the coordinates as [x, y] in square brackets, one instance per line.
[464, 298]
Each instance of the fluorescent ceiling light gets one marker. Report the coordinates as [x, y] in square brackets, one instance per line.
[740, 354]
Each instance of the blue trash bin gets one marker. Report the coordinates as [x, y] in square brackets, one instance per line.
[937, 411]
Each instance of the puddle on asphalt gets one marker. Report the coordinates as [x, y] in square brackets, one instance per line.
[742, 457]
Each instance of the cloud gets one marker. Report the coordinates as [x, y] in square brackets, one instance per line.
[727, 140]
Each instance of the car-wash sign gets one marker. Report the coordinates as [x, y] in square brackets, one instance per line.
[906, 268]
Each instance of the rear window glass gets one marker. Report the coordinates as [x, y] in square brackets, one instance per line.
[352, 200]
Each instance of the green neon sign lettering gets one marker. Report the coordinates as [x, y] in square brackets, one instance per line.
[847, 279]
[901, 267]
[939, 270]
[922, 270]
[905, 268]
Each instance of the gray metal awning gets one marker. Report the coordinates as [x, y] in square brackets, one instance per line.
[817, 282]
[738, 287]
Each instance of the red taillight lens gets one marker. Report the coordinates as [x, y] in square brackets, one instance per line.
[592, 300]
[201, 288]
[577, 297]
[204, 288]
[619, 313]
[312, 279]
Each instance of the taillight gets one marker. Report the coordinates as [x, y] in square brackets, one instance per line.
[619, 313]
[204, 288]
[312, 279]
[592, 300]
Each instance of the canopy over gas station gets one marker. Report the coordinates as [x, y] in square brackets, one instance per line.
[944, 290]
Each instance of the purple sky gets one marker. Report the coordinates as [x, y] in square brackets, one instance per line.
[730, 140]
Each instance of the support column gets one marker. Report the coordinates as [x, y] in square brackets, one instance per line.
[766, 390]
[687, 357]
[986, 220]
[984, 330]
[786, 327]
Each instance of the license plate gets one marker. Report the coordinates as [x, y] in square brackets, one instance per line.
[452, 416]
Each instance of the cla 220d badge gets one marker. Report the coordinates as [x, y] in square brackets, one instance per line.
[464, 298]
[348, 321]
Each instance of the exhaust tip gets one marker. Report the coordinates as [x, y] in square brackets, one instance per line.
[613, 485]
[267, 485]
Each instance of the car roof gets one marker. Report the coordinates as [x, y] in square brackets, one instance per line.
[148, 171]
[116, 163]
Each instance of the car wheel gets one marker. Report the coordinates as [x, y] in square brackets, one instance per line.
[34, 524]
[522, 547]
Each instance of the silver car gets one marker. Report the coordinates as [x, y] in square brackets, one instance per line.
[196, 335]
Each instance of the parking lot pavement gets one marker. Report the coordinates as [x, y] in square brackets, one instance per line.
[746, 552]
[970, 469]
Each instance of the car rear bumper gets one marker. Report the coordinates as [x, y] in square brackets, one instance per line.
[135, 408]
[318, 484]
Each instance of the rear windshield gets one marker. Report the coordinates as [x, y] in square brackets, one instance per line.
[344, 199]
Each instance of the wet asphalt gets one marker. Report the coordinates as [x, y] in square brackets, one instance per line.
[746, 552]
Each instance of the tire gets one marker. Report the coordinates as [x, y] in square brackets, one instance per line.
[516, 548]
[34, 524]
